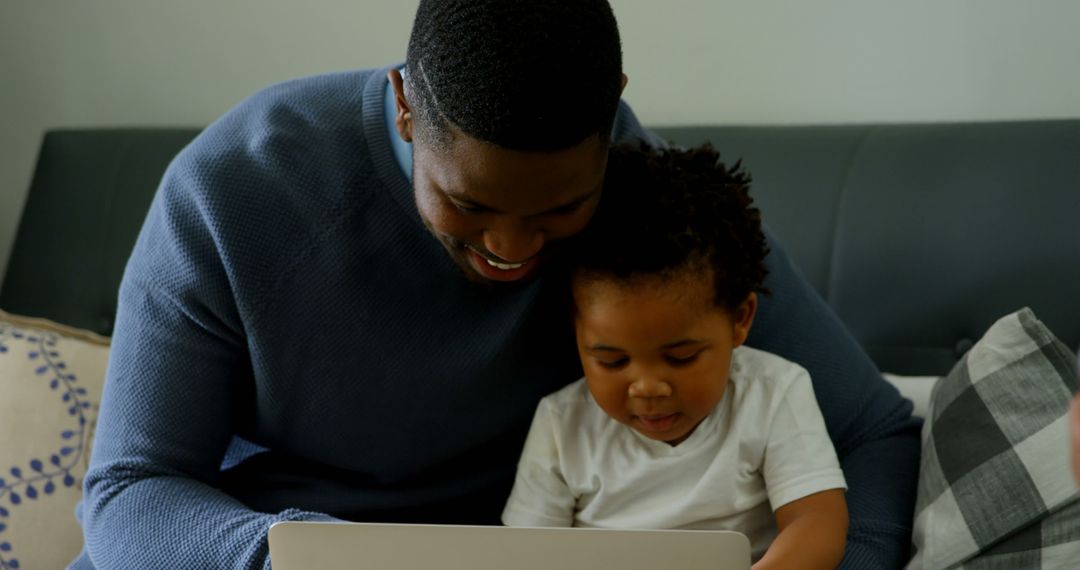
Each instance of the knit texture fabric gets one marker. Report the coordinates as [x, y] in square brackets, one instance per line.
[292, 344]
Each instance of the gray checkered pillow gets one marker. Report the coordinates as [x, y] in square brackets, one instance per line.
[995, 485]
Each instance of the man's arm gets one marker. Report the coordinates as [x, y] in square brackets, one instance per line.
[870, 424]
[178, 372]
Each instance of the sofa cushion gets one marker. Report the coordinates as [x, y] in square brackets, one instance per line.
[50, 386]
[920, 236]
[995, 477]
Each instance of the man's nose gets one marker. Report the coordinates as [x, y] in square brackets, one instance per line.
[513, 241]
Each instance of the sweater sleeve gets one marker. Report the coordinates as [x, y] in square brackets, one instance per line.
[870, 424]
[876, 438]
[178, 374]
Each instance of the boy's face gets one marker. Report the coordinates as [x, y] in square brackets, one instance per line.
[657, 352]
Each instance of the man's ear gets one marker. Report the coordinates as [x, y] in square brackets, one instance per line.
[743, 318]
[622, 85]
[403, 118]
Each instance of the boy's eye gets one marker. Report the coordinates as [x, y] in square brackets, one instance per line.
[613, 364]
[465, 208]
[567, 209]
[681, 360]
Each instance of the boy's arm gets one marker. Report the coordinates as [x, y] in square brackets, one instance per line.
[540, 496]
[813, 532]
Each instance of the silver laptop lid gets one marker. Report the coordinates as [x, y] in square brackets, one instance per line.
[332, 546]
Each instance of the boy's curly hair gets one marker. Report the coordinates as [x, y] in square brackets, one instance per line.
[665, 211]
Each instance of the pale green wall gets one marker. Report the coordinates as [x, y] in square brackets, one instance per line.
[66, 63]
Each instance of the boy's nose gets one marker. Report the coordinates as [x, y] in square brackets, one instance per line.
[647, 386]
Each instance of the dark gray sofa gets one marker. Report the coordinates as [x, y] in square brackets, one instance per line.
[919, 236]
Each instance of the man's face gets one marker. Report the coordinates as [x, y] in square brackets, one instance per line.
[499, 213]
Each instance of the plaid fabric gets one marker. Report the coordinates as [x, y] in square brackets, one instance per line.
[995, 485]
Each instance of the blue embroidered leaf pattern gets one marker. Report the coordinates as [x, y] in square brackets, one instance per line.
[45, 476]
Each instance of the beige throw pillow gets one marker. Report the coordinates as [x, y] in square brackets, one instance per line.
[50, 386]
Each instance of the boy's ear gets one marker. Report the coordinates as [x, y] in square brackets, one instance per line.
[743, 318]
[403, 117]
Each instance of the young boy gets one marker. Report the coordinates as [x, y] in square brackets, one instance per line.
[676, 425]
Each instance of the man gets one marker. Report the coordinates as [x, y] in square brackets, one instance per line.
[304, 335]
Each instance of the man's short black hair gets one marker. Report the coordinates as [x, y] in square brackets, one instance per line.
[665, 211]
[521, 74]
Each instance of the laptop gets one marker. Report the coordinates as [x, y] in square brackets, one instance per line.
[345, 545]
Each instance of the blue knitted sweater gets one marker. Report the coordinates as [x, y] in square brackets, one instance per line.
[292, 344]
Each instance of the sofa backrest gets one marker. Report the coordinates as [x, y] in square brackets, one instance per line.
[87, 201]
[919, 236]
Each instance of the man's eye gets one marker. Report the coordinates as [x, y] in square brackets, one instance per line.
[681, 360]
[613, 364]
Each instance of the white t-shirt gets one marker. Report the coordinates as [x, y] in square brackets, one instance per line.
[763, 446]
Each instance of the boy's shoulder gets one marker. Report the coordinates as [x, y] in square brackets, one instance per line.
[568, 399]
[764, 373]
[573, 405]
[759, 362]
